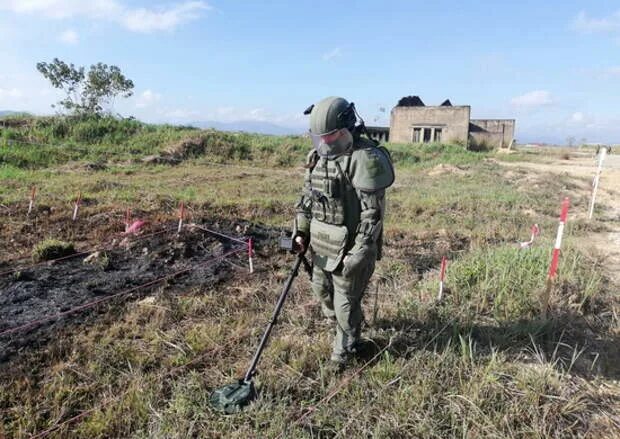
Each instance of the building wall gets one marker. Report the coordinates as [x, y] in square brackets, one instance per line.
[453, 122]
[497, 133]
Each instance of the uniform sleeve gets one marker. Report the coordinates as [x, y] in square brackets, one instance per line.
[371, 217]
[303, 208]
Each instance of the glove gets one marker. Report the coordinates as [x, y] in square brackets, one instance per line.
[357, 258]
[299, 244]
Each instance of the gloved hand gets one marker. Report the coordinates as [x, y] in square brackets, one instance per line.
[299, 244]
[357, 258]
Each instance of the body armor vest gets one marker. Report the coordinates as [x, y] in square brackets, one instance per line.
[330, 209]
[329, 186]
[335, 210]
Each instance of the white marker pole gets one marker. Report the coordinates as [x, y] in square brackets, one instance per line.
[76, 208]
[535, 230]
[250, 254]
[597, 177]
[127, 219]
[181, 216]
[33, 194]
[442, 274]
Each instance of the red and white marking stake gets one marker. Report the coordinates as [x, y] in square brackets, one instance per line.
[442, 275]
[597, 177]
[181, 216]
[76, 207]
[555, 258]
[33, 194]
[250, 254]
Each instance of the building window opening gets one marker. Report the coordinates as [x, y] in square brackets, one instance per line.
[417, 136]
[427, 135]
[437, 135]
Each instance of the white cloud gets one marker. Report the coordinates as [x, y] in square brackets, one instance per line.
[259, 114]
[536, 98]
[59, 9]
[147, 98]
[134, 19]
[11, 93]
[612, 71]
[577, 117]
[144, 20]
[69, 37]
[584, 23]
[225, 111]
[334, 53]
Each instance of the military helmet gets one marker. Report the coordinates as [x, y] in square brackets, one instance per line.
[331, 114]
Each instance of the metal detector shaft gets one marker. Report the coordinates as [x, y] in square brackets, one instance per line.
[294, 272]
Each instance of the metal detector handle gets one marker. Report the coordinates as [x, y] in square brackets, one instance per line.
[294, 272]
[307, 265]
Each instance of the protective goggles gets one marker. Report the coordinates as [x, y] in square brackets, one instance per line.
[332, 143]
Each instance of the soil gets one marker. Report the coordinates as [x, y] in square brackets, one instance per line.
[583, 168]
[442, 169]
[34, 293]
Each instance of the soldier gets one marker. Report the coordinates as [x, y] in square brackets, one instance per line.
[340, 216]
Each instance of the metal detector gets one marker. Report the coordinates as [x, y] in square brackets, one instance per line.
[233, 397]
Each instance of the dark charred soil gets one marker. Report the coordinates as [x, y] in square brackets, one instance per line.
[38, 302]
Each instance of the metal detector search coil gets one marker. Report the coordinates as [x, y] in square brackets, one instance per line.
[231, 398]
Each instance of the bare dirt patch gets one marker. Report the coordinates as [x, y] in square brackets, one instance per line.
[443, 169]
[582, 170]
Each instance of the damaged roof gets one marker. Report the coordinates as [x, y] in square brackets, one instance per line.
[410, 101]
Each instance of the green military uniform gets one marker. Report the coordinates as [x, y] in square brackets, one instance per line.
[341, 212]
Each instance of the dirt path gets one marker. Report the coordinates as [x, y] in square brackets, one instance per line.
[583, 169]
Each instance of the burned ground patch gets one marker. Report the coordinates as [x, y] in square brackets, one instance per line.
[39, 300]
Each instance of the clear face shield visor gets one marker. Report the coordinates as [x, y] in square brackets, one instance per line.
[333, 143]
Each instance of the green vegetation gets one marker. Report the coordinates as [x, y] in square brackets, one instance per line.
[35, 143]
[51, 249]
[86, 93]
[480, 363]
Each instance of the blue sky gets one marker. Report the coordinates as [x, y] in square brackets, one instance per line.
[554, 66]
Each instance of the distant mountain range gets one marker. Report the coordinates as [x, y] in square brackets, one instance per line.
[8, 113]
[248, 126]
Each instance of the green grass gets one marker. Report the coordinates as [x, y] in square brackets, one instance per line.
[481, 363]
[426, 155]
[51, 249]
[46, 141]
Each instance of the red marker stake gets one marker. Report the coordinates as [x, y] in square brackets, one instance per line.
[555, 258]
[250, 254]
[442, 275]
[33, 194]
[76, 207]
[181, 216]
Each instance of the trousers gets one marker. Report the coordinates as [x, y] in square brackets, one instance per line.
[341, 300]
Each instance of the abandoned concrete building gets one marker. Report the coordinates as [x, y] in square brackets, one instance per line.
[413, 122]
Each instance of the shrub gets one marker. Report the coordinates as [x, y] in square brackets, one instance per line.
[51, 249]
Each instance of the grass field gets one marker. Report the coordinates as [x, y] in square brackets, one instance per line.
[481, 363]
